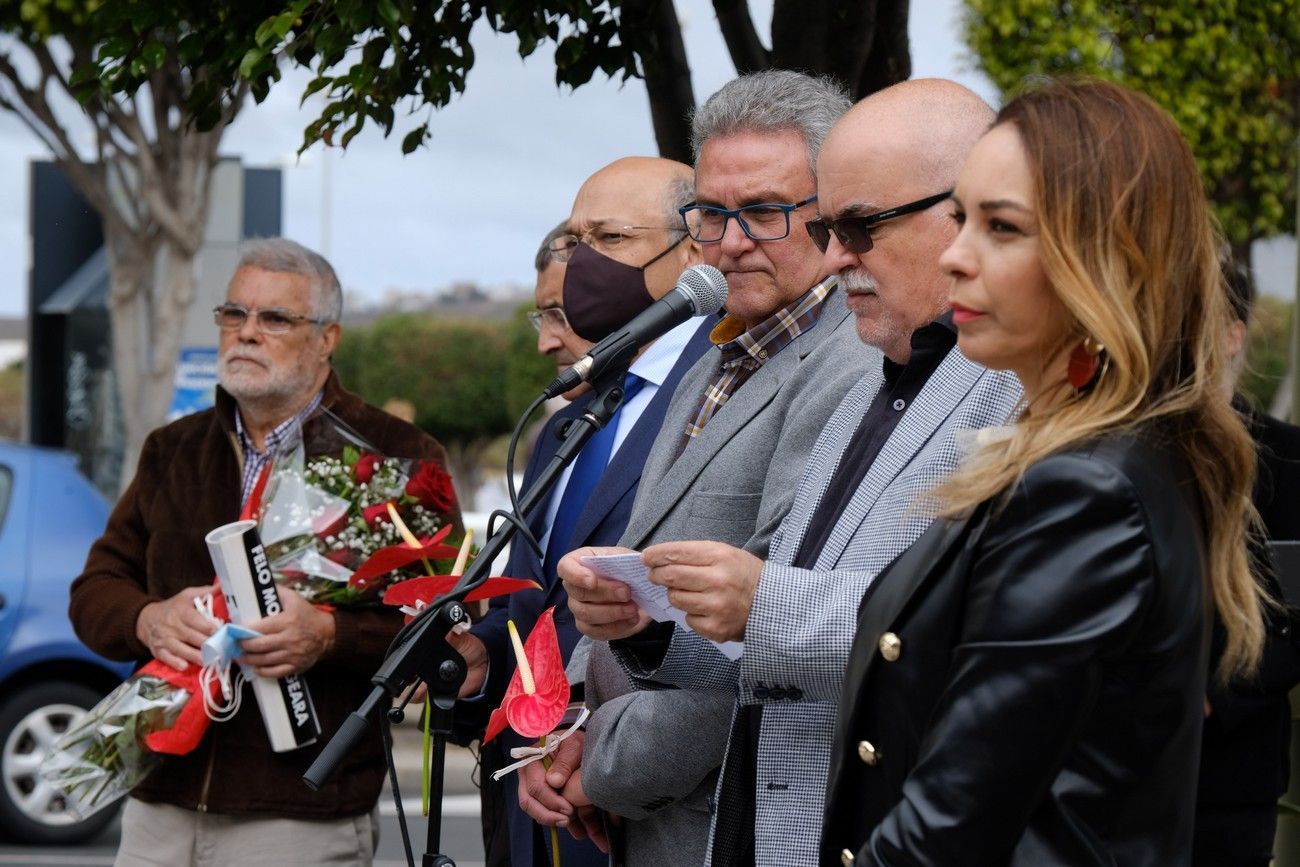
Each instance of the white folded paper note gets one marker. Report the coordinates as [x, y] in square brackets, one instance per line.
[649, 597]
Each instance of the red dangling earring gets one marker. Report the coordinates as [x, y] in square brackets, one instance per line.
[1084, 361]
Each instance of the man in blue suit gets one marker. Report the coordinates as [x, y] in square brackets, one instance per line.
[631, 250]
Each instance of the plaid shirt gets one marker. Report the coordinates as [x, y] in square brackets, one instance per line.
[744, 352]
[255, 460]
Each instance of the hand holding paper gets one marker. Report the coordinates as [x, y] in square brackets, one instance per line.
[713, 583]
[658, 602]
[602, 607]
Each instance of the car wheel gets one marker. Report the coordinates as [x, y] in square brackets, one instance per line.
[32, 719]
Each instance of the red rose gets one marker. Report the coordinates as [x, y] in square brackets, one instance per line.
[432, 487]
[341, 556]
[365, 467]
[376, 515]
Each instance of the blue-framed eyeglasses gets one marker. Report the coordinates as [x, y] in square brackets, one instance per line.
[763, 222]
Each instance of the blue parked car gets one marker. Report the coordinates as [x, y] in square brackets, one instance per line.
[49, 517]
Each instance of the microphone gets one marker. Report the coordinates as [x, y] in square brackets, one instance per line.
[700, 290]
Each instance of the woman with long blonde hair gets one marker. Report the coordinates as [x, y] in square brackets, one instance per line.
[1028, 680]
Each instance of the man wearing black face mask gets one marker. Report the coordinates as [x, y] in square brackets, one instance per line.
[625, 250]
[629, 254]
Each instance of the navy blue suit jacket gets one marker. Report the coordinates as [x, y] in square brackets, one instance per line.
[601, 522]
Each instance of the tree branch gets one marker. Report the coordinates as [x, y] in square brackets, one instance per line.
[890, 57]
[738, 31]
[34, 111]
[151, 184]
[667, 77]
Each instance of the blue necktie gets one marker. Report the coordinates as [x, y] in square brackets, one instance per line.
[587, 470]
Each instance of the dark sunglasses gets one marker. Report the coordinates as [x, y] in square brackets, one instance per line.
[855, 232]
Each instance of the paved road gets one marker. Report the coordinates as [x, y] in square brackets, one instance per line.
[461, 837]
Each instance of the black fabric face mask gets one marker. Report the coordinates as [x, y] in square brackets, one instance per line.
[603, 294]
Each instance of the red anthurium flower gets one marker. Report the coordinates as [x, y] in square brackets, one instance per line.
[536, 713]
[416, 592]
[365, 468]
[385, 560]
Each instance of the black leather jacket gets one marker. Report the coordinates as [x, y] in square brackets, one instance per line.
[1027, 685]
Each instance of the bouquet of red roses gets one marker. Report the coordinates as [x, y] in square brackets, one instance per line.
[329, 528]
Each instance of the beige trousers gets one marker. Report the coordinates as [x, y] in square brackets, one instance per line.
[160, 835]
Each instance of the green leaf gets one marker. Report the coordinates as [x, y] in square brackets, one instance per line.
[316, 86]
[414, 139]
[189, 49]
[264, 32]
[389, 14]
[252, 58]
[116, 46]
[354, 132]
[283, 24]
[154, 53]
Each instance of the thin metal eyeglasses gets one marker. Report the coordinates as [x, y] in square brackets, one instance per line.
[552, 316]
[603, 238]
[767, 221]
[270, 320]
[855, 232]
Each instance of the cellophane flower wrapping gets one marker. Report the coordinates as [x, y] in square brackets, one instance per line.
[323, 516]
[104, 755]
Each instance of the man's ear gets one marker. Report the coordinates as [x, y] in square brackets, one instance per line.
[331, 334]
[691, 252]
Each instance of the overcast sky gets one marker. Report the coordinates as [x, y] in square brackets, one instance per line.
[505, 161]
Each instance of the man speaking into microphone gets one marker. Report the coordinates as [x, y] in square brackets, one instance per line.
[625, 249]
[730, 453]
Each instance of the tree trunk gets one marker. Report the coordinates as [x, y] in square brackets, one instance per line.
[863, 45]
[667, 75]
[464, 462]
[890, 60]
[738, 31]
[148, 318]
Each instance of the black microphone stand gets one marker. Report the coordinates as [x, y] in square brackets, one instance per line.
[421, 650]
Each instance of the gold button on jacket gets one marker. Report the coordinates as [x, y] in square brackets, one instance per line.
[846, 858]
[891, 647]
[869, 755]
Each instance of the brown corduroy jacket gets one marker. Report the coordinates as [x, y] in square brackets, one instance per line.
[188, 483]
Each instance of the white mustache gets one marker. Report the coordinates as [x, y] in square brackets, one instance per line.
[857, 280]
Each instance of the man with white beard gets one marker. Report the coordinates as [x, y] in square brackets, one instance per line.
[232, 800]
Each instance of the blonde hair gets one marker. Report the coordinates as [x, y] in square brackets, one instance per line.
[1128, 245]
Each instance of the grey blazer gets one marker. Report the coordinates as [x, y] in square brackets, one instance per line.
[802, 623]
[652, 756]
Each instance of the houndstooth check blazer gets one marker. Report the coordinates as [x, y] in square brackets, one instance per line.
[802, 622]
[732, 484]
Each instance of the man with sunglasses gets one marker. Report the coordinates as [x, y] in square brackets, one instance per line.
[882, 178]
[232, 801]
[726, 464]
